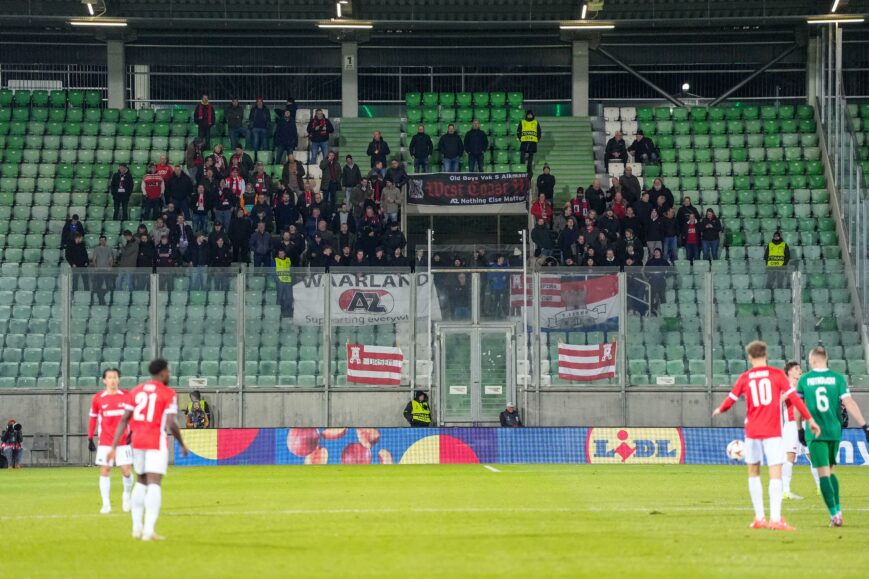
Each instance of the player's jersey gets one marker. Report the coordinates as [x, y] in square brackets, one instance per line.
[790, 413]
[105, 414]
[152, 405]
[823, 391]
[764, 388]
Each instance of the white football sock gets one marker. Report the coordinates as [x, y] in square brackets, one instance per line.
[128, 483]
[817, 477]
[138, 506]
[775, 496]
[152, 508]
[105, 489]
[755, 489]
[787, 472]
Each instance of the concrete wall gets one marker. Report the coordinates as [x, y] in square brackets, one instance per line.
[44, 412]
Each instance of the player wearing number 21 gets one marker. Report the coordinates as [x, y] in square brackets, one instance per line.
[824, 391]
[764, 389]
[150, 410]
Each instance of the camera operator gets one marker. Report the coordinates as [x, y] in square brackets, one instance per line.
[10, 444]
[196, 417]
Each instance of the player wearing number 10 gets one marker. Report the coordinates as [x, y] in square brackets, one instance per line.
[150, 410]
[764, 388]
[824, 391]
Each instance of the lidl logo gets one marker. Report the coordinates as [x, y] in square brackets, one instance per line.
[635, 446]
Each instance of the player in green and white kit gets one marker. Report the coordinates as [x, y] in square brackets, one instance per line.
[823, 391]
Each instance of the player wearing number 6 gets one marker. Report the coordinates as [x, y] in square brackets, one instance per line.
[150, 410]
[764, 388]
[824, 391]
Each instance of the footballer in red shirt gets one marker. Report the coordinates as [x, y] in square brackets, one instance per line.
[150, 411]
[107, 409]
[764, 389]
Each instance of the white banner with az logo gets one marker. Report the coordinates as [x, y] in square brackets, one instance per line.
[362, 299]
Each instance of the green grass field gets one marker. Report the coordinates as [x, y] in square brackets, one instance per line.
[430, 521]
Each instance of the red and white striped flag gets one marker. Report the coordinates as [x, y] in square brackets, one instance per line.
[586, 363]
[373, 365]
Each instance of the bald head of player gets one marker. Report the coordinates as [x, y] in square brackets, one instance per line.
[756, 353]
[111, 379]
[818, 358]
[159, 370]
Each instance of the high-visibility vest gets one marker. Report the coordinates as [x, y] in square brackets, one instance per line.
[775, 254]
[528, 133]
[420, 411]
[282, 269]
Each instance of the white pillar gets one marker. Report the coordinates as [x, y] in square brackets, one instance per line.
[812, 68]
[142, 85]
[579, 78]
[349, 80]
[116, 74]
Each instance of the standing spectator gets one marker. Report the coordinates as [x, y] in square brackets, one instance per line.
[579, 205]
[391, 201]
[684, 211]
[164, 169]
[243, 161]
[319, 129]
[218, 233]
[398, 259]
[643, 149]
[396, 173]
[291, 107]
[546, 184]
[358, 196]
[203, 116]
[542, 237]
[121, 187]
[710, 235]
[657, 278]
[351, 177]
[631, 221]
[181, 236]
[631, 187]
[240, 231]
[167, 256]
[616, 150]
[777, 256]
[285, 212]
[147, 255]
[691, 238]
[218, 161]
[476, 145]
[193, 160]
[261, 245]
[642, 208]
[286, 136]
[529, 134]
[559, 220]
[10, 444]
[596, 197]
[630, 246]
[198, 257]
[378, 150]
[262, 212]
[224, 204]
[159, 230]
[234, 116]
[421, 149]
[70, 229]
[179, 190]
[283, 266]
[258, 121]
[670, 230]
[201, 207]
[128, 251]
[394, 238]
[498, 288]
[103, 259]
[330, 180]
[77, 258]
[619, 205]
[653, 231]
[293, 175]
[450, 146]
[542, 209]
[221, 257]
[608, 223]
[262, 182]
[153, 189]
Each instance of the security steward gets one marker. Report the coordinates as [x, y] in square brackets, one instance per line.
[528, 132]
[283, 265]
[417, 412]
[777, 256]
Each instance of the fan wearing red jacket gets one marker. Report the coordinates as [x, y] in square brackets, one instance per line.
[150, 411]
[764, 389]
[107, 408]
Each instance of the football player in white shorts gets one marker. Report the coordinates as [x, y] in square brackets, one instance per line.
[107, 408]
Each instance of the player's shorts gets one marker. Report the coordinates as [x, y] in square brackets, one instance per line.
[150, 461]
[123, 456]
[824, 452]
[757, 448]
[790, 437]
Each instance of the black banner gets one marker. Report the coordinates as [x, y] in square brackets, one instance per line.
[463, 189]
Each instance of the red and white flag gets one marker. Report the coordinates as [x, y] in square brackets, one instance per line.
[373, 365]
[586, 363]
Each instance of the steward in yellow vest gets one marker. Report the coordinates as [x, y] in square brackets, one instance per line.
[529, 134]
[417, 412]
[283, 265]
[777, 256]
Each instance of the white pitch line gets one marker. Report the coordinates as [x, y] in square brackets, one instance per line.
[662, 509]
[491, 468]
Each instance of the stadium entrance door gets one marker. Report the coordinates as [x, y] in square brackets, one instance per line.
[477, 366]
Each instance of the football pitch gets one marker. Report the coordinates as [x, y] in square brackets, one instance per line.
[431, 521]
